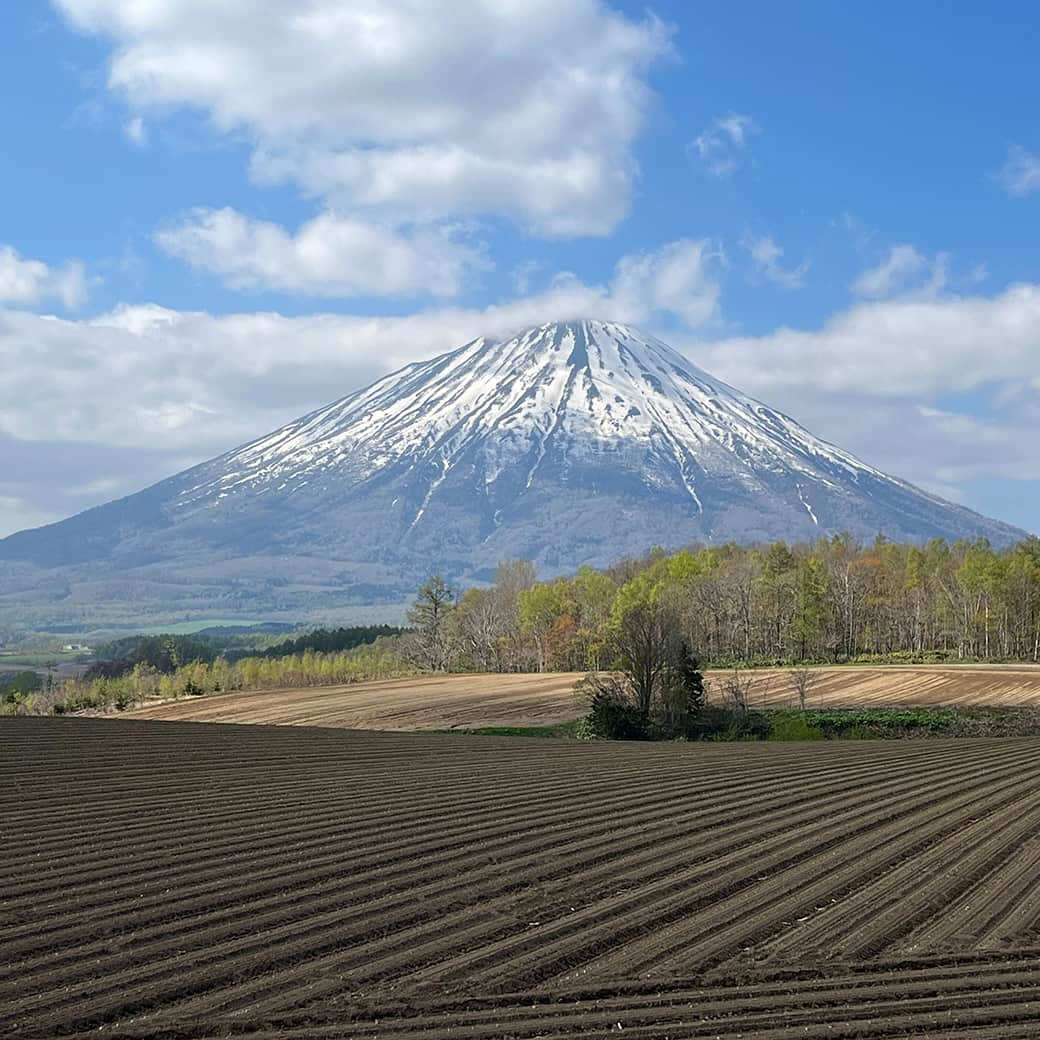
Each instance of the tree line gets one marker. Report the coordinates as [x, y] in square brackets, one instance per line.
[144, 681]
[833, 601]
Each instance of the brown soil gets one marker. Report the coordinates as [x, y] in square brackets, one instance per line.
[418, 702]
[895, 685]
[473, 701]
[168, 880]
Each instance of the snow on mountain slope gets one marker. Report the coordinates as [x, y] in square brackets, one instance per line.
[597, 385]
[571, 443]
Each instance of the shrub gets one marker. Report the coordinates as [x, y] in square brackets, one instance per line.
[716, 722]
[586, 730]
[789, 726]
[614, 718]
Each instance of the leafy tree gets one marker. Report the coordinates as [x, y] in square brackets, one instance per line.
[430, 618]
[542, 606]
[166, 653]
[811, 606]
[642, 628]
[656, 662]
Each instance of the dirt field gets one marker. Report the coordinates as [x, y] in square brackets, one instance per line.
[166, 880]
[470, 701]
[419, 702]
[917, 685]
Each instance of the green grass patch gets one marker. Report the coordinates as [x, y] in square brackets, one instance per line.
[39, 660]
[900, 723]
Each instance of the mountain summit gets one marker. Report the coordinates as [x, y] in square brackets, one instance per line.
[573, 442]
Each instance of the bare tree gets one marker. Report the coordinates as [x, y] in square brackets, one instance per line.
[736, 690]
[801, 682]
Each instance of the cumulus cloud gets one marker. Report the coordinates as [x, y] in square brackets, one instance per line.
[722, 145]
[914, 348]
[903, 269]
[198, 382]
[29, 282]
[158, 389]
[330, 255]
[1021, 173]
[876, 380]
[680, 279]
[766, 256]
[415, 111]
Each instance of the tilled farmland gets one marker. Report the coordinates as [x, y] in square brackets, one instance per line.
[176, 880]
[412, 703]
[473, 701]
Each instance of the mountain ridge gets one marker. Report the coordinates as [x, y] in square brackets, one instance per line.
[572, 442]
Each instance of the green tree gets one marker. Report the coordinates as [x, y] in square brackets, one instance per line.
[541, 607]
[810, 607]
[430, 618]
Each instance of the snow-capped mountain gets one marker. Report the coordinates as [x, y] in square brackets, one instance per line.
[571, 443]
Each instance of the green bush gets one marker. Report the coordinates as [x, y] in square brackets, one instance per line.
[744, 725]
[613, 718]
[585, 730]
[793, 726]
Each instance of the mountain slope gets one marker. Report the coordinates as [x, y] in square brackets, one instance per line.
[570, 443]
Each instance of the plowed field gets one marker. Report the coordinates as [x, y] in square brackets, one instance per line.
[896, 685]
[418, 702]
[471, 701]
[168, 880]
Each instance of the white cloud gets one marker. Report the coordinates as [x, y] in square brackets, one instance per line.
[140, 392]
[1021, 173]
[29, 282]
[412, 110]
[136, 131]
[190, 381]
[678, 279]
[875, 378]
[522, 275]
[199, 381]
[721, 146]
[912, 347]
[903, 269]
[328, 256]
[16, 514]
[766, 255]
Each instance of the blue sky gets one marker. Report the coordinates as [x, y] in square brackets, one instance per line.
[215, 217]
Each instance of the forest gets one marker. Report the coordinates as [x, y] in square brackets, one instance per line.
[834, 601]
[831, 602]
